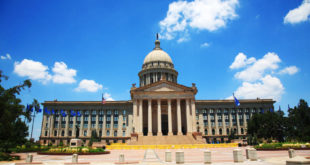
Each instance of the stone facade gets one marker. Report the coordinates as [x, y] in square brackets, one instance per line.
[159, 107]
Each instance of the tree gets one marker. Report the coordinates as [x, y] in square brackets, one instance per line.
[13, 131]
[299, 122]
[269, 125]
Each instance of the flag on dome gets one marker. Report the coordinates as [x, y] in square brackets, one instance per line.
[237, 103]
[103, 100]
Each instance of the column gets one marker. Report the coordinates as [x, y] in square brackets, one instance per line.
[209, 123]
[97, 122]
[216, 122]
[230, 119]
[188, 118]
[169, 118]
[223, 123]
[67, 123]
[134, 114]
[200, 118]
[179, 117]
[89, 123]
[159, 118]
[120, 124]
[82, 124]
[112, 123]
[244, 119]
[74, 129]
[104, 123]
[194, 115]
[149, 117]
[238, 124]
[129, 129]
[141, 117]
[43, 129]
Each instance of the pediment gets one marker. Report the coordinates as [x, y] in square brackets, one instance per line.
[164, 87]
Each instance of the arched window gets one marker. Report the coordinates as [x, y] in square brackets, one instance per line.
[62, 133]
[108, 133]
[55, 133]
[242, 131]
[115, 133]
[70, 133]
[213, 132]
[45, 133]
[227, 131]
[206, 131]
[220, 131]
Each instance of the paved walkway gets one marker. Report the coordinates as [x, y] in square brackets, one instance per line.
[156, 157]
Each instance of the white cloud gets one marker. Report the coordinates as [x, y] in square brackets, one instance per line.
[32, 69]
[268, 87]
[258, 68]
[88, 86]
[6, 57]
[258, 76]
[107, 97]
[62, 74]
[299, 14]
[289, 70]
[205, 44]
[199, 14]
[241, 61]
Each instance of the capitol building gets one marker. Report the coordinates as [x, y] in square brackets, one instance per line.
[160, 111]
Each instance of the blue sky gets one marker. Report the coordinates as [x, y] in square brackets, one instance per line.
[73, 50]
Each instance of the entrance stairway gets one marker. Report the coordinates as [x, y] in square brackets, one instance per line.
[163, 140]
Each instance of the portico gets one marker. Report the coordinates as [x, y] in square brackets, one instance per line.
[163, 108]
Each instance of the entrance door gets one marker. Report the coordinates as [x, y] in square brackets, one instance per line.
[164, 124]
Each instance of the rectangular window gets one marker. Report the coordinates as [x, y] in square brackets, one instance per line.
[100, 118]
[85, 133]
[93, 118]
[211, 110]
[57, 118]
[55, 125]
[108, 125]
[63, 125]
[227, 123]
[100, 125]
[115, 118]
[220, 124]
[115, 126]
[70, 125]
[94, 112]
[70, 118]
[204, 111]
[108, 133]
[85, 118]
[240, 110]
[205, 123]
[101, 112]
[78, 118]
[108, 118]
[85, 125]
[219, 117]
[86, 113]
[124, 133]
[93, 125]
[226, 117]
[124, 112]
[205, 117]
[115, 112]
[247, 117]
[63, 119]
[225, 111]
[124, 125]
[197, 117]
[212, 124]
[46, 125]
[124, 118]
[240, 116]
[109, 112]
[212, 117]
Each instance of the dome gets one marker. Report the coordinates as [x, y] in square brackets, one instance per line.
[157, 55]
